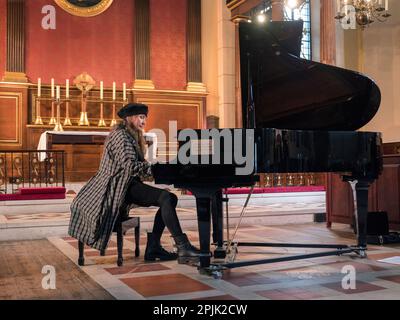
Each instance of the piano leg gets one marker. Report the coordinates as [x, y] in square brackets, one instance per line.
[362, 214]
[203, 217]
[217, 219]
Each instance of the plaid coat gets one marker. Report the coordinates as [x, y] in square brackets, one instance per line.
[95, 209]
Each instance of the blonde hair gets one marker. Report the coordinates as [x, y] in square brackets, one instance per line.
[136, 133]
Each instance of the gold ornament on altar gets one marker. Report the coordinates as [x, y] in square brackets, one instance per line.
[85, 83]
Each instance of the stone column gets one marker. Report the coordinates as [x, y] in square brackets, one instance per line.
[142, 45]
[328, 32]
[278, 10]
[193, 47]
[229, 108]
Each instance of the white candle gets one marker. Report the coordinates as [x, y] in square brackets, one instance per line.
[101, 90]
[58, 93]
[114, 90]
[338, 5]
[52, 87]
[124, 91]
[387, 5]
[67, 89]
[39, 89]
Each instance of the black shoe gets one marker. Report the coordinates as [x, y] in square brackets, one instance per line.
[187, 254]
[154, 250]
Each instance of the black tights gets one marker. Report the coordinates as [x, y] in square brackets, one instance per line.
[144, 195]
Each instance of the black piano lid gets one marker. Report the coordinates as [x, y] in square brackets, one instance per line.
[293, 93]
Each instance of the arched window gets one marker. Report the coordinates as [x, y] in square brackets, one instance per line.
[303, 13]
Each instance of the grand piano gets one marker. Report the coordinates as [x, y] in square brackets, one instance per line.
[299, 116]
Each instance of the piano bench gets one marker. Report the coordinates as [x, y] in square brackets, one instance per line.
[120, 242]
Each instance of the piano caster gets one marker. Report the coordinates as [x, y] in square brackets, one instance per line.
[214, 271]
[361, 252]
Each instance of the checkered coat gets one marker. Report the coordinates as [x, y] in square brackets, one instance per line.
[95, 209]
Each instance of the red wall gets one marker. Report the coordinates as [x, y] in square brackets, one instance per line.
[168, 44]
[101, 45]
[3, 36]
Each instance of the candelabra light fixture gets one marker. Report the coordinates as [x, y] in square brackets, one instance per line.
[363, 12]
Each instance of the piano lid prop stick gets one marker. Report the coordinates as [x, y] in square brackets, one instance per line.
[240, 219]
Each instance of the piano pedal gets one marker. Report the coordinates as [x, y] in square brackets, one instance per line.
[231, 252]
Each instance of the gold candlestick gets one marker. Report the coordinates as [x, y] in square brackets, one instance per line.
[289, 180]
[311, 180]
[52, 119]
[83, 121]
[67, 121]
[268, 182]
[301, 180]
[101, 123]
[113, 121]
[279, 180]
[38, 120]
[58, 126]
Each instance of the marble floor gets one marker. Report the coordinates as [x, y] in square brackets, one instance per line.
[311, 279]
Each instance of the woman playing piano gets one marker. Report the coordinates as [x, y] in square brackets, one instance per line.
[118, 185]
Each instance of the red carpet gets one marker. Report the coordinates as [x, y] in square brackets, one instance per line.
[274, 190]
[50, 193]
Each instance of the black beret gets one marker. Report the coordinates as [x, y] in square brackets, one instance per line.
[133, 109]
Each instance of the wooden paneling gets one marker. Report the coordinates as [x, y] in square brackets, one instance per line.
[9, 117]
[187, 110]
[13, 117]
[339, 200]
[81, 161]
[384, 195]
[388, 186]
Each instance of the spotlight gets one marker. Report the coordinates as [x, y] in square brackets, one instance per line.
[261, 18]
[292, 4]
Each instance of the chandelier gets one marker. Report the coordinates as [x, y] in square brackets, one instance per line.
[362, 12]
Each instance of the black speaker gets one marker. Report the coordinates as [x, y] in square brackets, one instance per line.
[377, 223]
